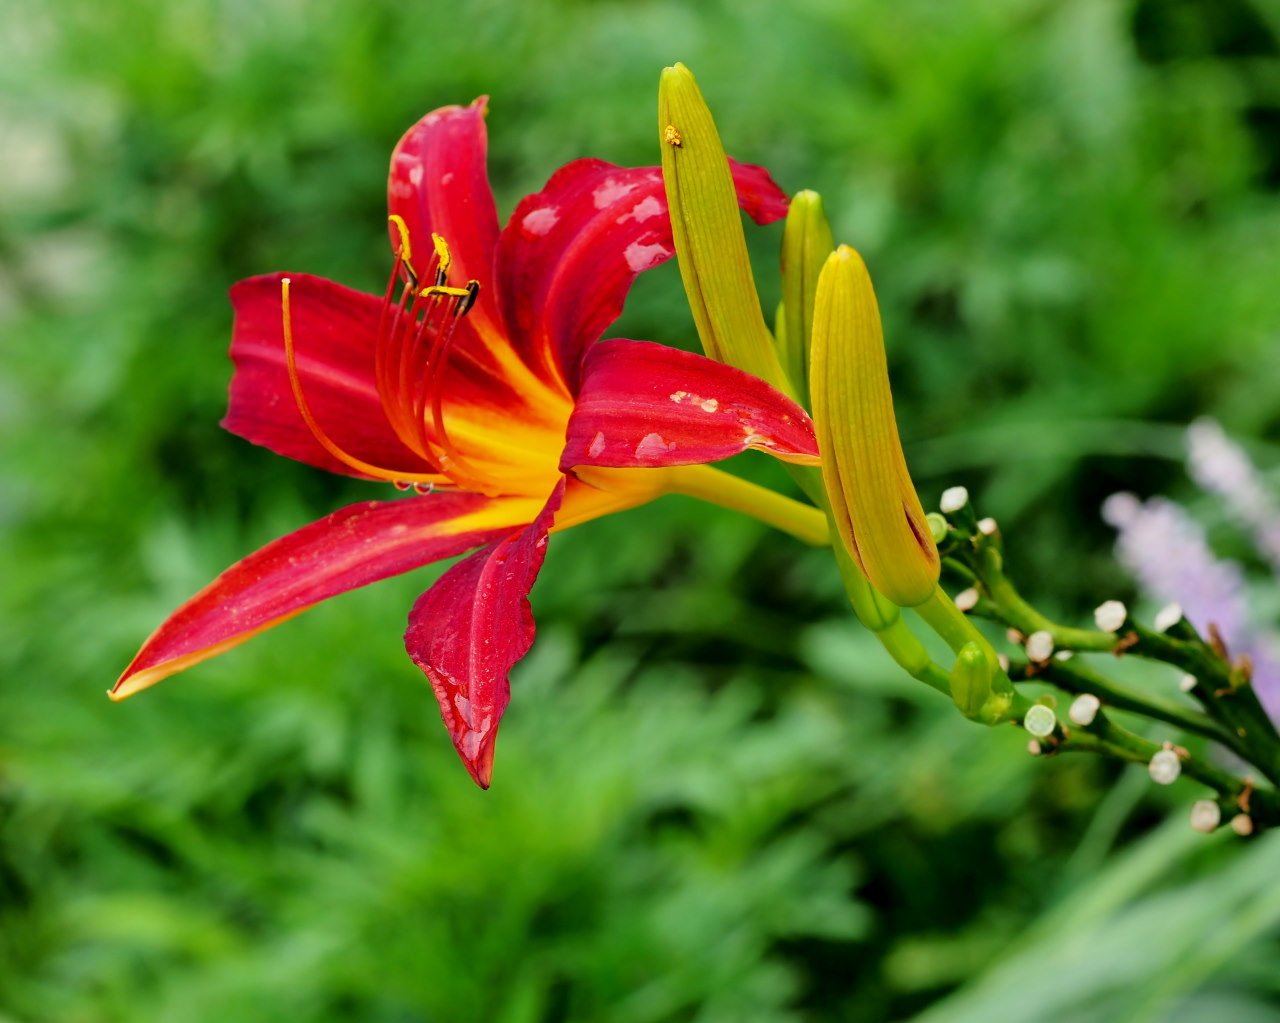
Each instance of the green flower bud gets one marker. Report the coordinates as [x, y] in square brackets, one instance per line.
[806, 244]
[707, 227]
[971, 680]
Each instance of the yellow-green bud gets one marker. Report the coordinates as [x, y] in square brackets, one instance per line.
[806, 244]
[707, 227]
[971, 679]
[873, 502]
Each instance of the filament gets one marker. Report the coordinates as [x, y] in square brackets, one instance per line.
[317, 431]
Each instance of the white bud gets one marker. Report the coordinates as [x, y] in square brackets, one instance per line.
[1242, 824]
[1013, 636]
[1084, 708]
[1034, 747]
[1003, 661]
[1110, 615]
[1187, 683]
[1206, 815]
[1039, 720]
[987, 526]
[1165, 767]
[1168, 616]
[1040, 646]
[953, 499]
[967, 600]
[1063, 655]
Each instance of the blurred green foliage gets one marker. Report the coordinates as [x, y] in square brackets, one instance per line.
[715, 800]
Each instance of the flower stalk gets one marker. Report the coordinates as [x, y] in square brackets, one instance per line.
[1229, 715]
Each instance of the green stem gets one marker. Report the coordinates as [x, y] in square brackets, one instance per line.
[1077, 678]
[1226, 694]
[811, 525]
[1228, 699]
[1017, 613]
[1108, 738]
[718, 487]
[952, 624]
[956, 629]
[912, 657]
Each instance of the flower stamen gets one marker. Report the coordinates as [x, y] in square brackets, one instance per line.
[317, 431]
[402, 250]
[416, 332]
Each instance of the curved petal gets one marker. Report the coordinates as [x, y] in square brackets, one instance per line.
[758, 194]
[352, 547]
[642, 405]
[569, 254]
[439, 183]
[335, 330]
[468, 630]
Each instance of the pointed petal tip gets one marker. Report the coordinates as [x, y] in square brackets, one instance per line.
[479, 765]
[130, 684]
[481, 775]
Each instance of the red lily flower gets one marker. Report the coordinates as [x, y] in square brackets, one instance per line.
[477, 376]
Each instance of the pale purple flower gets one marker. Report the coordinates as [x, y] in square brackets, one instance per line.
[1167, 552]
[1220, 466]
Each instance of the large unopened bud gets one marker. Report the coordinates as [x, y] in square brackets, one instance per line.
[873, 501]
[710, 245]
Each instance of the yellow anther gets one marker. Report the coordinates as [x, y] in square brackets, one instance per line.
[398, 223]
[442, 254]
[404, 252]
[436, 289]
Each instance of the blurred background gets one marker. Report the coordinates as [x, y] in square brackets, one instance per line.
[715, 800]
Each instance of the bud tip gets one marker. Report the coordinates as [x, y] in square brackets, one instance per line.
[953, 499]
[1110, 615]
[1084, 709]
[1164, 767]
[1168, 616]
[1040, 646]
[1206, 815]
[1040, 721]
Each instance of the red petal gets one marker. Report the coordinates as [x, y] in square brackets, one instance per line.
[568, 256]
[468, 630]
[643, 404]
[439, 183]
[758, 194]
[334, 329]
[354, 546]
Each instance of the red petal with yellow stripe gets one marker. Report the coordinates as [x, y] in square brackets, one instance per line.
[646, 405]
[354, 546]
